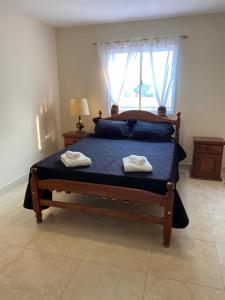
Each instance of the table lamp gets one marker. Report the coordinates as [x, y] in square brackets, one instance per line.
[79, 107]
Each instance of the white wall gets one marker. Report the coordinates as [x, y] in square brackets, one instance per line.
[28, 78]
[201, 92]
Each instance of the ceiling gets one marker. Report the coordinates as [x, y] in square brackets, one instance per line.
[82, 12]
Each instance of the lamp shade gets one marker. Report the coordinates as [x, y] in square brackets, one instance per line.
[79, 107]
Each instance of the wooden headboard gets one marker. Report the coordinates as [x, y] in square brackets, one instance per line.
[147, 117]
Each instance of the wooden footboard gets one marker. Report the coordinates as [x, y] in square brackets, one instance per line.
[129, 195]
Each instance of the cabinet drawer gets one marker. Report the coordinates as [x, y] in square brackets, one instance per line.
[201, 148]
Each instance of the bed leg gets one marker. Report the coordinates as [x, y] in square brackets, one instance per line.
[35, 195]
[168, 215]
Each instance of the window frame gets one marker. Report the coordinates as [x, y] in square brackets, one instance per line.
[170, 111]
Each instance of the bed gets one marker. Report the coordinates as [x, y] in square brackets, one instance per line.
[106, 178]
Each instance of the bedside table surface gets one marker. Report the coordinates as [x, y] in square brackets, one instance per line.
[72, 137]
[208, 140]
[73, 134]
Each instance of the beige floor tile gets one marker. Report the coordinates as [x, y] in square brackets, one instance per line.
[193, 196]
[199, 227]
[219, 232]
[20, 217]
[96, 227]
[215, 203]
[189, 193]
[221, 254]
[214, 187]
[26, 218]
[195, 202]
[17, 235]
[129, 250]
[22, 186]
[193, 199]
[12, 199]
[8, 253]
[97, 282]
[5, 213]
[218, 227]
[184, 172]
[188, 260]
[188, 185]
[39, 273]
[67, 245]
[84, 226]
[159, 288]
[7, 293]
[121, 248]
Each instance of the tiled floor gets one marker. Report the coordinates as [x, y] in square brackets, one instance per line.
[86, 257]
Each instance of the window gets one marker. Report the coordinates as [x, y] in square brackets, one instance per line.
[141, 76]
[138, 91]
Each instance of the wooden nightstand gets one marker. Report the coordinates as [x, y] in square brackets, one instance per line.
[72, 137]
[207, 158]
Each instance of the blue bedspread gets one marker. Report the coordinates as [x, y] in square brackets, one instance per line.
[107, 168]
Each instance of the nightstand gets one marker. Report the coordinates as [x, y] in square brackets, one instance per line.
[207, 158]
[72, 137]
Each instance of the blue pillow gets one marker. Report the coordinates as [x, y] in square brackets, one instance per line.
[112, 129]
[152, 131]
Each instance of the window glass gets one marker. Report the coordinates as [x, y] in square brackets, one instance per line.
[138, 91]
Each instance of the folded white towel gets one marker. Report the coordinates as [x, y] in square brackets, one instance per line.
[136, 159]
[81, 161]
[131, 165]
[73, 155]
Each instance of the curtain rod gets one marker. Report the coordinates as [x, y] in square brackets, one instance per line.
[155, 38]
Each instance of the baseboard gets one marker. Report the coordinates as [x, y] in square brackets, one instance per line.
[12, 184]
[187, 166]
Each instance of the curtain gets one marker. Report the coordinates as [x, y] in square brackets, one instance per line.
[164, 60]
[116, 61]
[117, 58]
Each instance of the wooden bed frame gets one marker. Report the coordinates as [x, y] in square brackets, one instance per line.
[116, 193]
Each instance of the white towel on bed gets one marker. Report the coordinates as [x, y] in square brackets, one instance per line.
[72, 154]
[135, 163]
[137, 159]
[75, 159]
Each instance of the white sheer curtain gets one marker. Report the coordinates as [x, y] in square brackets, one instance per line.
[164, 60]
[117, 59]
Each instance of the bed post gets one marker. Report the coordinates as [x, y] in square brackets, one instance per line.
[177, 127]
[168, 214]
[35, 195]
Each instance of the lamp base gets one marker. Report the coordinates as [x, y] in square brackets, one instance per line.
[79, 124]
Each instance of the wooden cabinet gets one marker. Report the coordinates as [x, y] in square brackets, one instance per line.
[207, 158]
[72, 137]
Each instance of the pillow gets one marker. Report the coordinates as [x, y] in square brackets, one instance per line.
[152, 131]
[131, 124]
[112, 129]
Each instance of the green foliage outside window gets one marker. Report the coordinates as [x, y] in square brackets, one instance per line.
[145, 90]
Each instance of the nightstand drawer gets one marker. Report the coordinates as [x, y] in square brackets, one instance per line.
[208, 149]
[73, 137]
[69, 141]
